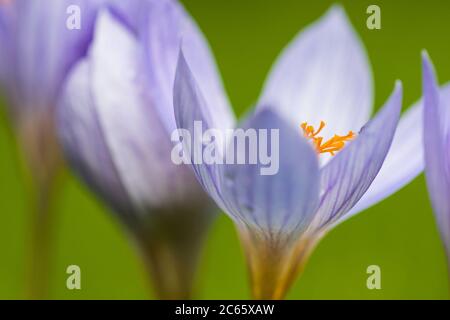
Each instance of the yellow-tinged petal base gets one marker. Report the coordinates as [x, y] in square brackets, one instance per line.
[274, 262]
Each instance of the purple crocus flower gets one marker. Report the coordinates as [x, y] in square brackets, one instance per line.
[436, 142]
[37, 50]
[322, 79]
[115, 120]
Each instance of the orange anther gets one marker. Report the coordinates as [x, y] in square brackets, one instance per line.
[332, 145]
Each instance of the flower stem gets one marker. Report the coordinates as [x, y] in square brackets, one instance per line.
[40, 254]
[171, 250]
[171, 270]
[36, 132]
[274, 262]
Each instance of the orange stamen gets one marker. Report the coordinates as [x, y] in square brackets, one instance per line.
[336, 143]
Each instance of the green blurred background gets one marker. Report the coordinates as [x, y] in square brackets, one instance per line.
[246, 36]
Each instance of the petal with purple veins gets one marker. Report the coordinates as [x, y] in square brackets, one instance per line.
[190, 107]
[437, 143]
[403, 163]
[350, 173]
[323, 75]
[284, 201]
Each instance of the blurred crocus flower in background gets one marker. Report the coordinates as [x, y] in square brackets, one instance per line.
[37, 50]
[318, 95]
[115, 120]
[437, 147]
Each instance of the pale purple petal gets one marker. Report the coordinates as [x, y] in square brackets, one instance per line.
[190, 106]
[437, 146]
[130, 13]
[347, 177]
[283, 202]
[83, 141]
[403, 163]
[7, 18]
[40, 49]
[164, 29]
[323, 75]
[139, 146]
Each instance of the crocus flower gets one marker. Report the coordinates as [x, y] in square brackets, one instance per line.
[37, 50]
[318, 96]
[436, 142]
[115, 120]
